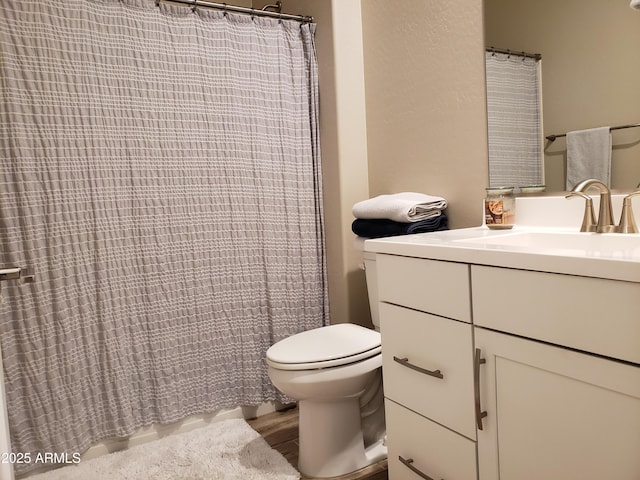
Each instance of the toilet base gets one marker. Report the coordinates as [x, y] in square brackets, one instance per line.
[331, 441]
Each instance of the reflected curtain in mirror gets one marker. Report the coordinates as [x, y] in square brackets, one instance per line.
[514, 113]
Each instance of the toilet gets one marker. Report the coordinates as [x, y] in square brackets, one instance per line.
[335, 374]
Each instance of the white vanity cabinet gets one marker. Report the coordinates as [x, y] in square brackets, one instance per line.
[499, 373]
[427, 365]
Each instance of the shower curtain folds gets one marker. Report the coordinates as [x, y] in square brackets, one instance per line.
[161, 174]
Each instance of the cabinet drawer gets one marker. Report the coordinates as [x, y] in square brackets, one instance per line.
[432, 286]
[431, 343]
[590, 314]
[435, 451]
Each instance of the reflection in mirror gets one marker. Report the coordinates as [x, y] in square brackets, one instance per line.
[514, 119]
[590, 74]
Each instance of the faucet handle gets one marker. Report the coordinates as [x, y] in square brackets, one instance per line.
[589, 218]
[627, 222]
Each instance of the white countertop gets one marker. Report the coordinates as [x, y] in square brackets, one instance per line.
[612, 256]
[546, 238]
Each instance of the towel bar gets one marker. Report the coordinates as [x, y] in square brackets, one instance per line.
[552, 138]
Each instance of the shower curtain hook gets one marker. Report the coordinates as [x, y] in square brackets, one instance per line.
[194, 6]
[158, 3]
[224, 10]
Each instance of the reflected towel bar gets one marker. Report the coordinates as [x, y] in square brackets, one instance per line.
[551, 138]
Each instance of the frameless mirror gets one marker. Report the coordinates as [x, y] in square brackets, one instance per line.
[590, 73]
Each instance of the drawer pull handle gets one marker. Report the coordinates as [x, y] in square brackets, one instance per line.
[405, 362]
[476, 381]
[408, 464]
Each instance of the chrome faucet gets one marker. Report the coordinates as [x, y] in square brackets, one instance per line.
[627, 222]
[589, 218]
[605, 215]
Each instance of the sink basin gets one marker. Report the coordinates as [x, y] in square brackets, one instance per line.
[563, 243]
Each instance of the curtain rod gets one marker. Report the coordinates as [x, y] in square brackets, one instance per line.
[619, 127]
[494, 50]
[245, 10]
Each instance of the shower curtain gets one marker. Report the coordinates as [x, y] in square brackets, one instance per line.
[161, 177]
[514, 113]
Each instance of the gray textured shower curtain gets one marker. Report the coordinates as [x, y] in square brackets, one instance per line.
[160, 173]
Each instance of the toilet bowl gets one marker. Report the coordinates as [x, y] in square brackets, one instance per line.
[335, 374]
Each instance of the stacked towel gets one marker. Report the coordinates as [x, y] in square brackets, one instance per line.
[376, 228]
[399, 214]
[400, 207]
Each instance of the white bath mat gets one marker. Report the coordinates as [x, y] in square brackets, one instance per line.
[225, 450]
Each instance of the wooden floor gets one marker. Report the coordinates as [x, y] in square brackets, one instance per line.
[280, 430]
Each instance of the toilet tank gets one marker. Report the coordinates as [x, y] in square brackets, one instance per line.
[372, 287]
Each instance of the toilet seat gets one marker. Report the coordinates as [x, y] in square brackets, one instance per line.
[324, 347]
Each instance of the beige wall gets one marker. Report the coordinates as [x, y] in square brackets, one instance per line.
[420, 127]
[426, 104]
[590, 72]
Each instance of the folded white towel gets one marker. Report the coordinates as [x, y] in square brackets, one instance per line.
[588, 156]
[400, 207]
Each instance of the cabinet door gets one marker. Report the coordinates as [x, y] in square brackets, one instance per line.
[554, 413]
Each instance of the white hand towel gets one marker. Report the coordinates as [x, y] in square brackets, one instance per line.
[589, 156]
[400, 207]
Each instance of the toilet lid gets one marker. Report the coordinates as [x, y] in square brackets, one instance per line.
[324, 347]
